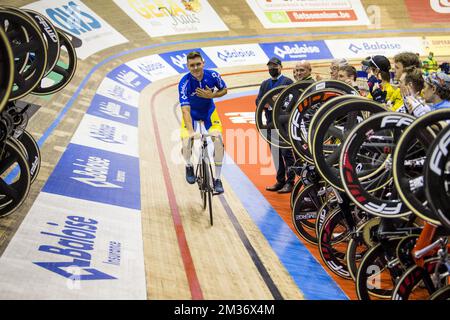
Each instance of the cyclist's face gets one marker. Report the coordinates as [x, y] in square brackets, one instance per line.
[343, 76]
[428, 92]
[196, 66]
[398, 66]
[334, 69]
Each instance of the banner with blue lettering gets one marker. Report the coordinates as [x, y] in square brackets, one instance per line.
[299, 50]
[128, 77]
[177, 59]
[106, 108]
[69, 248]
[96, 175]
[100, 133]
[75, 18]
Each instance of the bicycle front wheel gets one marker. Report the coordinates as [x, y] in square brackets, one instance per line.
[207, 188]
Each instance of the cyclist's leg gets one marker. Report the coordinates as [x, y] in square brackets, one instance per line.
[214, 128]
[186, 144]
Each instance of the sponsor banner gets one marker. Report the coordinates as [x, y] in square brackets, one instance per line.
[362, 48]
[309, 13]
[106, 108]
[128, 77]
[107, 135]
[152, 67]
[74, 249]
[76, 18]
[96, 175]
[439, 45]
[118, 92]
[429, 11]
[300, 50]
[236, 55]
[177, 59]
[167, 17]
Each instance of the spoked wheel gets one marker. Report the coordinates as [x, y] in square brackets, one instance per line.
[297, 188]
[441, 294]
[304, 213]
[420, 283]
[7, 69]
[32, 154]
[200, 178]
[369, 147]
[437, 177]
[265, 126]
[206, 188]
[363, 240]
[301, 117]
[334, 237]
[14, 179]
[29, 50]
[332, 130]
[408, 164]
[284, 105]
[375, 279]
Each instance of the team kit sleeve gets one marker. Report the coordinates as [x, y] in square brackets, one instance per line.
[183, 92]
[219, 83]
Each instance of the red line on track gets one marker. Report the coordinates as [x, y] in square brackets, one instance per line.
[191, 274]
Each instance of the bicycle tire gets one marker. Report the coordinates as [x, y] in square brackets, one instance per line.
[300, 116]
[356, 146]
[333, 258]
[442, 294]
[363, 237]
[17, 190]
[416, 133]
[410, 281]
[373, 260]
[306, 200]
[436, 177]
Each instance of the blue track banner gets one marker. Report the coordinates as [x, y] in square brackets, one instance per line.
[300, 50]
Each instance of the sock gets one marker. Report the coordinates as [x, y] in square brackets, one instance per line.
[218, 172]
[186, 151]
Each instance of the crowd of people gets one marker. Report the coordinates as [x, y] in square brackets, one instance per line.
[415, 87]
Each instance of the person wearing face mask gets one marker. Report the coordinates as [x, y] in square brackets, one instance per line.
[283, 158]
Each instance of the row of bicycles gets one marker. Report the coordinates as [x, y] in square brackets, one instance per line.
[35, 58]
[373, 190]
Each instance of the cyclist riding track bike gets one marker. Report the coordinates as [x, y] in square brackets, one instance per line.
[196, 93]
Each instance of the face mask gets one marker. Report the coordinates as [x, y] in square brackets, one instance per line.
[274, 72]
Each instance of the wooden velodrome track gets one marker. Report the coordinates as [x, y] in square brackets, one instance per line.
[184, 257]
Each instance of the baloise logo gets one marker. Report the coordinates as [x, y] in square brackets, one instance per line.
[75, 245]
[374, 46]
[70, 18]
[227, 55]
[179, 60]
[94, 172]
[295, 50]
[106, 133]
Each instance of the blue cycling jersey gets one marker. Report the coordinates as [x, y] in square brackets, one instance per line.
[441, 105]
[201, 108]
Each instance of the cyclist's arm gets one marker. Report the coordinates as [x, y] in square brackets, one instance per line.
[184, 93]
[220, 93]
[186, 112]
